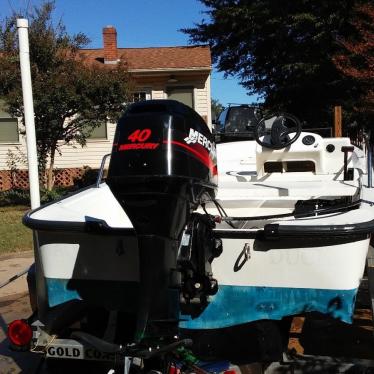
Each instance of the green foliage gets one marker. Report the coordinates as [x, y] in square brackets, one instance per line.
[18, 196]
[88, 178]
[217, 108]
[14, 197]
[14, 161]
[357, 58]
[47, 196]
[71, 95]
[282, 50]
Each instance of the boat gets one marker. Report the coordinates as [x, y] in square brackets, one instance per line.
[192, 242]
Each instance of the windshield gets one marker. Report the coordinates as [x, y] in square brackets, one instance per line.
[240, 119]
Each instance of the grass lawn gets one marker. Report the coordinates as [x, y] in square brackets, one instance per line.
[14, 236]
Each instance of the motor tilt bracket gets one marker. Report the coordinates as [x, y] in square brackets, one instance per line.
[197, 250]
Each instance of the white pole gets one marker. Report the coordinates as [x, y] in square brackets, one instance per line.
[24, 54]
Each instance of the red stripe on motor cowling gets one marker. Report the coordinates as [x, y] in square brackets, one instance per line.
[204, 158]
[215, 170]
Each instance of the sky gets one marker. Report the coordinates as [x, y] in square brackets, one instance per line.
[139, 23]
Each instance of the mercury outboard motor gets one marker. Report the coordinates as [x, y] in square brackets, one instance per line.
[163, 165]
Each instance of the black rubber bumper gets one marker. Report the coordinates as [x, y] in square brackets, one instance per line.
[276, 231]
[272, 231]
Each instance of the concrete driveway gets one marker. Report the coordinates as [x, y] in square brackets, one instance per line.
[14, 304]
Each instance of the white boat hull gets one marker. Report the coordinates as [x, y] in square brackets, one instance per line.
[278, 279]
[279, 276]
[276, 283]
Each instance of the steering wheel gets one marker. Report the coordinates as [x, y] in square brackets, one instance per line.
[277, 131]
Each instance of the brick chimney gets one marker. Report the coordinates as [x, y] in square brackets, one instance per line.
[110, 45]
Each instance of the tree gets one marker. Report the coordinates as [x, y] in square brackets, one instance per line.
[357, 59]
[282, 50]
[71, 97]
[217, 108]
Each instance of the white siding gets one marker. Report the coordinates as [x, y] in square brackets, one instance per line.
[202, 101]
[74, 156]
[4, 148]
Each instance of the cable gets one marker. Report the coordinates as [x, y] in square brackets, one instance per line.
[15, 277]
[28, 8]
[11, 7]
[223, 214]
[204, 208]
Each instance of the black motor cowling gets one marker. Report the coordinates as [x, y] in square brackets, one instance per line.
[163, 165]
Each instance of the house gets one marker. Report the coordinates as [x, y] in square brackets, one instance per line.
[180, 73]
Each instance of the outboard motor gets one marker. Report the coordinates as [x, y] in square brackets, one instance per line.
[163, 165]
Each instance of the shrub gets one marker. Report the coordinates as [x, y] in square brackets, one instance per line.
[54, 194]
[14, 196]
[17, 196]
[87, 179]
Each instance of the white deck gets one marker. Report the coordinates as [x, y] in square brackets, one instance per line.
[297, 190]
[90, 204]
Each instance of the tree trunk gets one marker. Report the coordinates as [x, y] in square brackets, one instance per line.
[50, 179]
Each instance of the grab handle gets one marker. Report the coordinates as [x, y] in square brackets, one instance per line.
[348, 176]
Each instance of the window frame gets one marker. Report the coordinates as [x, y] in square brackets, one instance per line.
[146, 91]
[4, 118]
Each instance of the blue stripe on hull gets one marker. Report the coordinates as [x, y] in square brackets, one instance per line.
[234, 305]
[59, 292]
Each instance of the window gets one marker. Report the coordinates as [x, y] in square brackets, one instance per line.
[141, 96]
[220, 127]
[99, 132]
[181, 94]
[8, 127]
[241, 119]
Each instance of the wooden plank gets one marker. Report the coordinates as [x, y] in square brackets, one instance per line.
[338, 121]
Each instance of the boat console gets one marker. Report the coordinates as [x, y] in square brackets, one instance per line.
[288, 164]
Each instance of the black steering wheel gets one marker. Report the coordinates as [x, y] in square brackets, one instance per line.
[277, 131]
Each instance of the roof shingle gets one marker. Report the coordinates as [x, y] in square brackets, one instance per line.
[158, 57]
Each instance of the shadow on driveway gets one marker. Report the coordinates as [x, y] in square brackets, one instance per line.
[15, 307]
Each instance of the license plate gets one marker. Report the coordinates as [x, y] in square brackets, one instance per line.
[71, 349]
